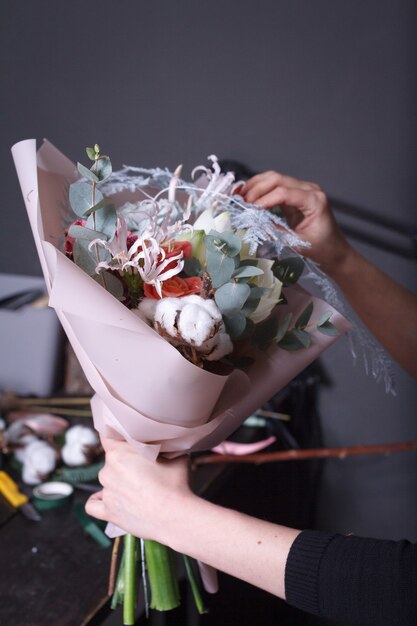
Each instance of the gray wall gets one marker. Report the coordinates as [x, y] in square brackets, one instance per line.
[323, 90]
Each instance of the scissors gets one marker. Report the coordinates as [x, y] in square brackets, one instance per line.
[13, 495]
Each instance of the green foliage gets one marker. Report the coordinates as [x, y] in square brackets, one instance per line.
[231, 297]
[325, 326]
[283, 326]
[91, 154]
[295, 340]
[304, 318]
[104, 221]
[112, 284]
[289, 270]
[84, 171]
[82, 232]
[80, 197]
[87, 259]
[247, 271]
[235, 324]
[265, 333]
[104, 202]
[102, 168]
[192, 267]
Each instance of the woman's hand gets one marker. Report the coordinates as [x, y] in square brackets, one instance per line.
[144, 498]
[307, 211]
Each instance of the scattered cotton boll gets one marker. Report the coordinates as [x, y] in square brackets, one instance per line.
[218, 346]
[195, 324]
[146, 309]
[166, 314]
[39, 461]
[77, 439]
[20, 453]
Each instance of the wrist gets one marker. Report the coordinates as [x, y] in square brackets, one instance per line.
[342, 262]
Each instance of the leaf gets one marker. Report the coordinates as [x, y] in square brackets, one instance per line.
[87, 259]
[289, 270]
[324, 318]
[192, 267]
[227, 242]
[219, 266]
[283, 326]
[80, 197]
[100, 205]
[235, 324]
[82, 232]
[305, 316]
[84, 171]
[295, 340]
[247, 271]
[231, 297]
[104, 221]
[111, 283]
[328, 329]
[91, 154]
[265, 332]
[103, 168]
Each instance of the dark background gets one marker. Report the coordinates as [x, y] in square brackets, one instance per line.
[321, 90]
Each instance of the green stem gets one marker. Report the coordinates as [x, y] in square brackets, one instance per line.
[117, 597]
[195, 588]
[163, 582]
[129, 580]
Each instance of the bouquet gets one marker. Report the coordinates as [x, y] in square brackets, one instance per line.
[182, 305]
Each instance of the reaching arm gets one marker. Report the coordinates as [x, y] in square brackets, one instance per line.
[388, 309]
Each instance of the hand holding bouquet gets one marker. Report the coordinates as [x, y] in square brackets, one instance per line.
[180, 301]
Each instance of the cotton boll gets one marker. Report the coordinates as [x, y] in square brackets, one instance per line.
[24, 441]
[77, 439]
[39, 461]
[195, 324]
[166, 314]
[146, 309]
[208, 304]
[218, 346]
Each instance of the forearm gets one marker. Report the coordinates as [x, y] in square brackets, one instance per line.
[387, 309]
[251, 549]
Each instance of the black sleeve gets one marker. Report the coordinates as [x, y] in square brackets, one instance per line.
[369, 582]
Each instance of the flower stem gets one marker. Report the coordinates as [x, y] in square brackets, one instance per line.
[194, 585]
[162, 578]
[129, 580]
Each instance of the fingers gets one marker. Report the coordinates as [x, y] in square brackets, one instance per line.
[299, 198]
[262, 184]
[95, 506]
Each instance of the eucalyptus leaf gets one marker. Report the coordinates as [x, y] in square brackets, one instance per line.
[103, 168]
[265, 332]
[328, 329]
[104, 221]
[235, 324]
[91, 154]
[324, 318]
[288, 270]
[305, 316]
[228, 242]
[219, 266]
[104, 202]
[231, 297]
[87, 259]
[82, 232]
[80, 197]
[295, 340]
[247, 271]
[111, 283]
[283, 326]
[84, 171]
[192, 267]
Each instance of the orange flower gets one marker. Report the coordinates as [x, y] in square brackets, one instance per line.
[175, 287]
[174, 248]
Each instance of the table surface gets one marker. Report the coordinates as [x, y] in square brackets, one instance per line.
[53, 572]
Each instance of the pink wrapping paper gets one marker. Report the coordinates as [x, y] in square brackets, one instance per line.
[146, 392]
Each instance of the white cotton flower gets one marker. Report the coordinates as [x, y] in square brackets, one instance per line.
[218, 346]
[39, 461]
[77, 439]
[166, 313]
[195, 324]
[206, 303]
[146, 309]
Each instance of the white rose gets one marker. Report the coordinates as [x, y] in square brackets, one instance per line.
[207, 222]
[267, 280]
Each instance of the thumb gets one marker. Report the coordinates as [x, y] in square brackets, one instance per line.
[95, 506]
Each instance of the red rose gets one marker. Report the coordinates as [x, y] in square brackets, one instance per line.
[174, 249]
[175, 287]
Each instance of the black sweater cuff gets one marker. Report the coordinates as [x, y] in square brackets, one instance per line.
[302, 569]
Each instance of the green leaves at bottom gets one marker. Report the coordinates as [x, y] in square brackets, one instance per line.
[295, 340]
